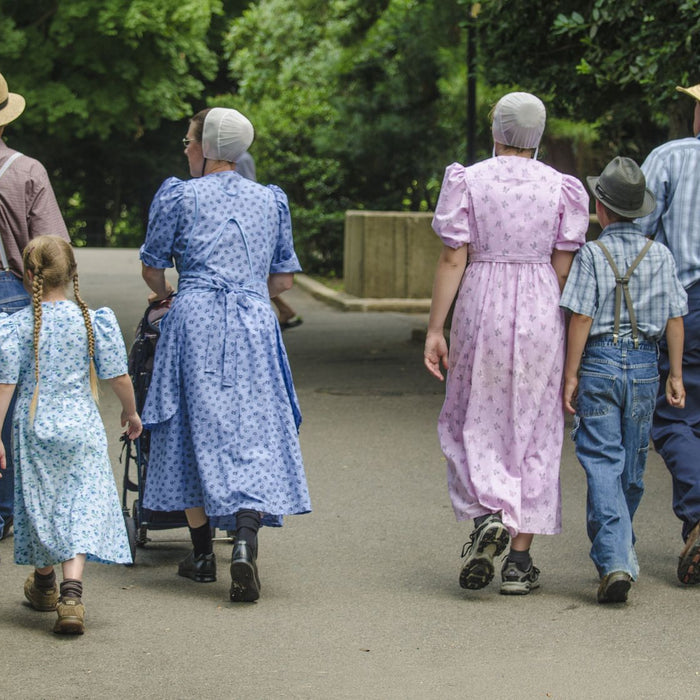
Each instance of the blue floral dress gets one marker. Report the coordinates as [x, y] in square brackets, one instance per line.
[66, 501]
[221, 407]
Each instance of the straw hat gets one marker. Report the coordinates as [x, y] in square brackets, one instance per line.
[622, 188]
[11, 104]
[694, 91]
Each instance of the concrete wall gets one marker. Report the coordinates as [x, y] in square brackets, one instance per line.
[389, 254]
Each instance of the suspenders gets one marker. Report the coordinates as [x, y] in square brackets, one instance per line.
[622, 286]
[3, 254]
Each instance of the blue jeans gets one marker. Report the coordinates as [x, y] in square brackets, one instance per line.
[676, 432]
[616, 397]
[13, 297]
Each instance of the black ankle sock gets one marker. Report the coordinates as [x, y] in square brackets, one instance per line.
[521, 559]
[71, 588]
[247, 526]
[44, 582]
[201, 539]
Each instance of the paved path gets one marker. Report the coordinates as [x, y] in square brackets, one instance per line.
[360, 598]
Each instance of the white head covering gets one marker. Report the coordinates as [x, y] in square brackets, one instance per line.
[226, 135]
[518, 120]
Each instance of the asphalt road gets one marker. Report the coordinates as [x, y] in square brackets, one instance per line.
[360, 598]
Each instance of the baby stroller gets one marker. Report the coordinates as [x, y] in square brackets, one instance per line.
[136, 452]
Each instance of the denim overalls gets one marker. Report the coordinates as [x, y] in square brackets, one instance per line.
[618, 382]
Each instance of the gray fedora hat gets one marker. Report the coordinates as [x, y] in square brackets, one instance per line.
[621, 187]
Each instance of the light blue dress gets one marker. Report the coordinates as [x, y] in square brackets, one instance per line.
[221, 407]
[66, 501]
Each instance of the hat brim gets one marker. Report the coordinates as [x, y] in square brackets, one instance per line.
[648, 205]
[14, 107]
[693, 91]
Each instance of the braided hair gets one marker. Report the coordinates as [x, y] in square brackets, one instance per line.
[52, 264]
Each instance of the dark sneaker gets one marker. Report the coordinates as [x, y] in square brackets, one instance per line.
[39, 599]
[515, 581]
[245, 582]
[71, 616]
[614, 587]
[201, 568]
[486, 542]
[689, 560]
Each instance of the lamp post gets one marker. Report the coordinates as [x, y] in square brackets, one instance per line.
[472, 29]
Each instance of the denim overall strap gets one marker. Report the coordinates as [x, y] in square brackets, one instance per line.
[622, 286]
[3, 254]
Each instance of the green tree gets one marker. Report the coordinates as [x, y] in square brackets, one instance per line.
[106, 85]
[605, 63]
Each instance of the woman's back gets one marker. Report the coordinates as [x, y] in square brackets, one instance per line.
[221, 226]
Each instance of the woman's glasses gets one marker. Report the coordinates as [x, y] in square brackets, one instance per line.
[186, 142]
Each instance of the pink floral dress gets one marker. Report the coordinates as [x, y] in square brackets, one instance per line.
[502, 424]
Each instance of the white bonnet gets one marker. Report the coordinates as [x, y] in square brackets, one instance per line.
[518, 120]
[226, 135]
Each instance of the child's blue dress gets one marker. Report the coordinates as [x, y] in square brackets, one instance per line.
[66, 501]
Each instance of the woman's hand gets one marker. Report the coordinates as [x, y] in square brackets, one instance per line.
[133, 424]
[435, 353]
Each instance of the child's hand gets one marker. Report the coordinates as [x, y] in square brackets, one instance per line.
[570, 393]
[434, 353]
[3, 458]
[675, 392]
[133, 424]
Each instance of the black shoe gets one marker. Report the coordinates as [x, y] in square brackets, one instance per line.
[245, 582]
[614, 587]
[201, 568]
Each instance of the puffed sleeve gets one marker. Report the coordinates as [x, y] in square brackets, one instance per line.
[163, 218]
[580, 293]
[573, 215]
[284, 259]
[110, 352]
[451, 220]
[9, 351]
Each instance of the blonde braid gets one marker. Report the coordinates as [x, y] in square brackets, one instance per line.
[94, 387]
[37, 296]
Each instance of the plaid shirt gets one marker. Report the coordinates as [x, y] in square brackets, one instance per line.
[673, 174]
[656, 291]
[28, 207]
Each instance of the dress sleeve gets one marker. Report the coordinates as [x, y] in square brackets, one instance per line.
[284, 259]
[163, 218]
[573, 215]
[451, 220]
[9, 351]
[580, 293]
[110, 352]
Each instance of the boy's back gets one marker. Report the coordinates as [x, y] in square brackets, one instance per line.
[623, 295]
[654, 288]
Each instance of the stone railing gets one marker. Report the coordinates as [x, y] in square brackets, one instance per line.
[389, 254]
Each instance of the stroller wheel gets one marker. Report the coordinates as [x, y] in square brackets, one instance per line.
[131, 534]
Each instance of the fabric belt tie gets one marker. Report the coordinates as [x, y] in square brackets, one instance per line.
[237, 299]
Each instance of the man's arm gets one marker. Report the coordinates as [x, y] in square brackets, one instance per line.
[675, 334]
